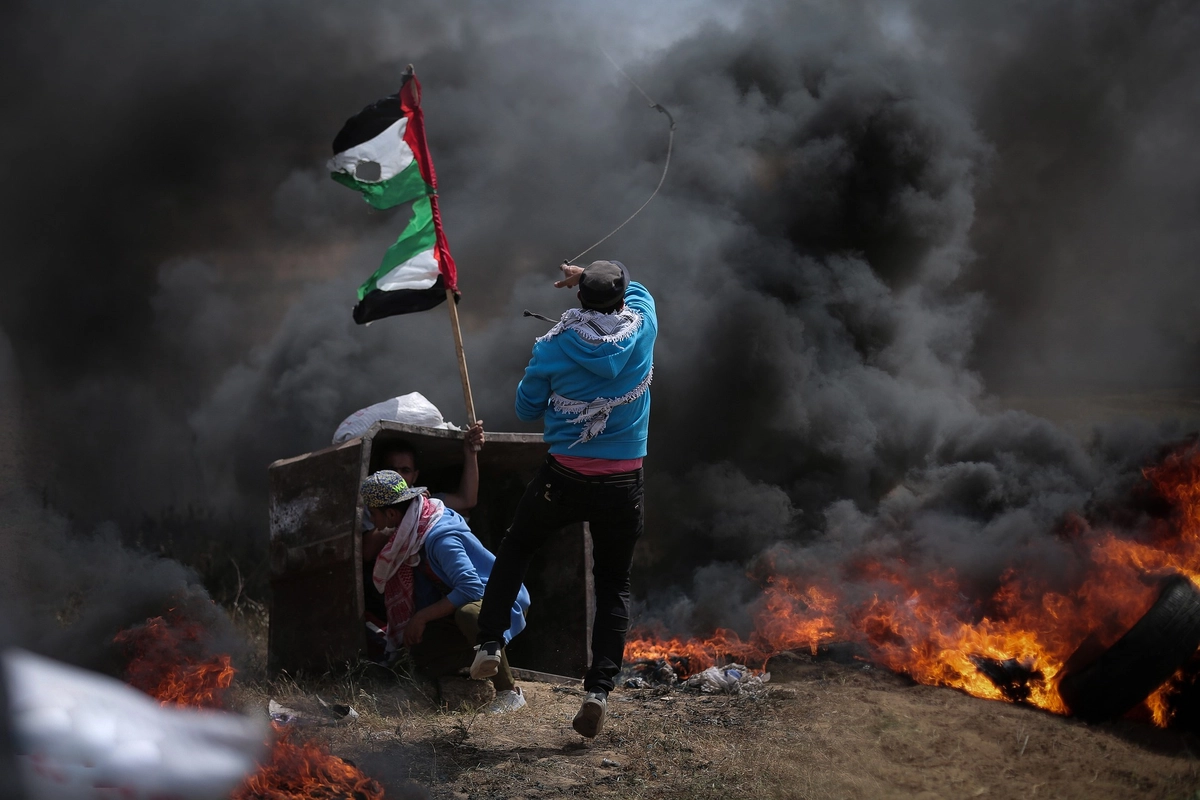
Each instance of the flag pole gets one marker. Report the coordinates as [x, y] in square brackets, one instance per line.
[462, 357]
[443, 250]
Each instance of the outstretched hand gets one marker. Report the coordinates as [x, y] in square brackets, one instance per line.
[571, 276]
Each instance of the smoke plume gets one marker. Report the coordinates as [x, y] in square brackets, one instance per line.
[877, 213]
[66, 595]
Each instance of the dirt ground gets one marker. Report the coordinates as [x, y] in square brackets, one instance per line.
[820, 730]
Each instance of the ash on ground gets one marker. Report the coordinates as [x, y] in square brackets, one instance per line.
[727, 679]
[645, 673]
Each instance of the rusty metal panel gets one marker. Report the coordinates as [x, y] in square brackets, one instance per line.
[441, 450]
[316, 553]
[558, 639]
[315, 559]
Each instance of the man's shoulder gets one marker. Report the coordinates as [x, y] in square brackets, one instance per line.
[638, 291]
[638, 297]
[452, 525]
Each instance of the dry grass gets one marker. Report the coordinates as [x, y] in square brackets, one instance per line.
[821, 731]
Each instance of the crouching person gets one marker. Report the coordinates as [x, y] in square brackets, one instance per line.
[432, 572]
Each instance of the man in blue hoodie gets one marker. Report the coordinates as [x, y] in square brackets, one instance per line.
[590, 379]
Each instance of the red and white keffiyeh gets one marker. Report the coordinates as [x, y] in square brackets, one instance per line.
[393, 573]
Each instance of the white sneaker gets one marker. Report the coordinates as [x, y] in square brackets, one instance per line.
[487, 660]
[508, 700]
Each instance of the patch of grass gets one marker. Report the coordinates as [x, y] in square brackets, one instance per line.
[834, 732]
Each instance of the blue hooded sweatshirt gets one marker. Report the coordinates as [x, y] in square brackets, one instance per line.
[463, 564]
[603, 363]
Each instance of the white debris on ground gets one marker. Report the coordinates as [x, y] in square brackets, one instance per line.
[322, 714]
[729, 679]
[644, 673]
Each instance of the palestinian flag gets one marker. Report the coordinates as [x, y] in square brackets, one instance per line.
[381, 152]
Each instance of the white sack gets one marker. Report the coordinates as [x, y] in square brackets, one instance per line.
[412, 409]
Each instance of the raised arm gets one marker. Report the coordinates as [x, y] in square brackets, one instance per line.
[639, 299]
[467, 495]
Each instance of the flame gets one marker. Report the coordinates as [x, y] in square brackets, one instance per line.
[165, 664]
[923, 626]
[1159, 702]
[168, 662]
[306, 771]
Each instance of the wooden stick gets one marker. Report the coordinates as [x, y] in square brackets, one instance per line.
[462, 358]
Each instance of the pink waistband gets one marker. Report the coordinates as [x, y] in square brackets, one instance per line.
[598, 466]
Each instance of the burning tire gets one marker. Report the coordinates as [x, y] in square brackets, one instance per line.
[1111, 683]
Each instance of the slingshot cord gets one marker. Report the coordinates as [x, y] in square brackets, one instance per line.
[666, 165]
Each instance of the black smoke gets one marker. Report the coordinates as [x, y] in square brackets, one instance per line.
[66, 595]
[1087, 252]
[875, 212]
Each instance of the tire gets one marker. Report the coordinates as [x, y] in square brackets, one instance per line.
[1107, 686]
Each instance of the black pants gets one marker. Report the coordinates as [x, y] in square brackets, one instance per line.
[556, 497]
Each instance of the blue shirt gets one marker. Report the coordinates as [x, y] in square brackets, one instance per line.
[574, 368]
[463, 565]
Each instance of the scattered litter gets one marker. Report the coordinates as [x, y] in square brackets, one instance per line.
[322, 714]
[729, 679]
[661, 676]
[608, 762]
[341, 711]
[646, 672]
[284, 715]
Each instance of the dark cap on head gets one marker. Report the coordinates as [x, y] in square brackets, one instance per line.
[603, 285]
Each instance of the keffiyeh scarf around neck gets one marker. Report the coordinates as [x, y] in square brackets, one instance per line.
[393, 572]
[596, 327]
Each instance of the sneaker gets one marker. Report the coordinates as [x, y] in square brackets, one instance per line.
[590, 718]
[487, 660]
[507, 700]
